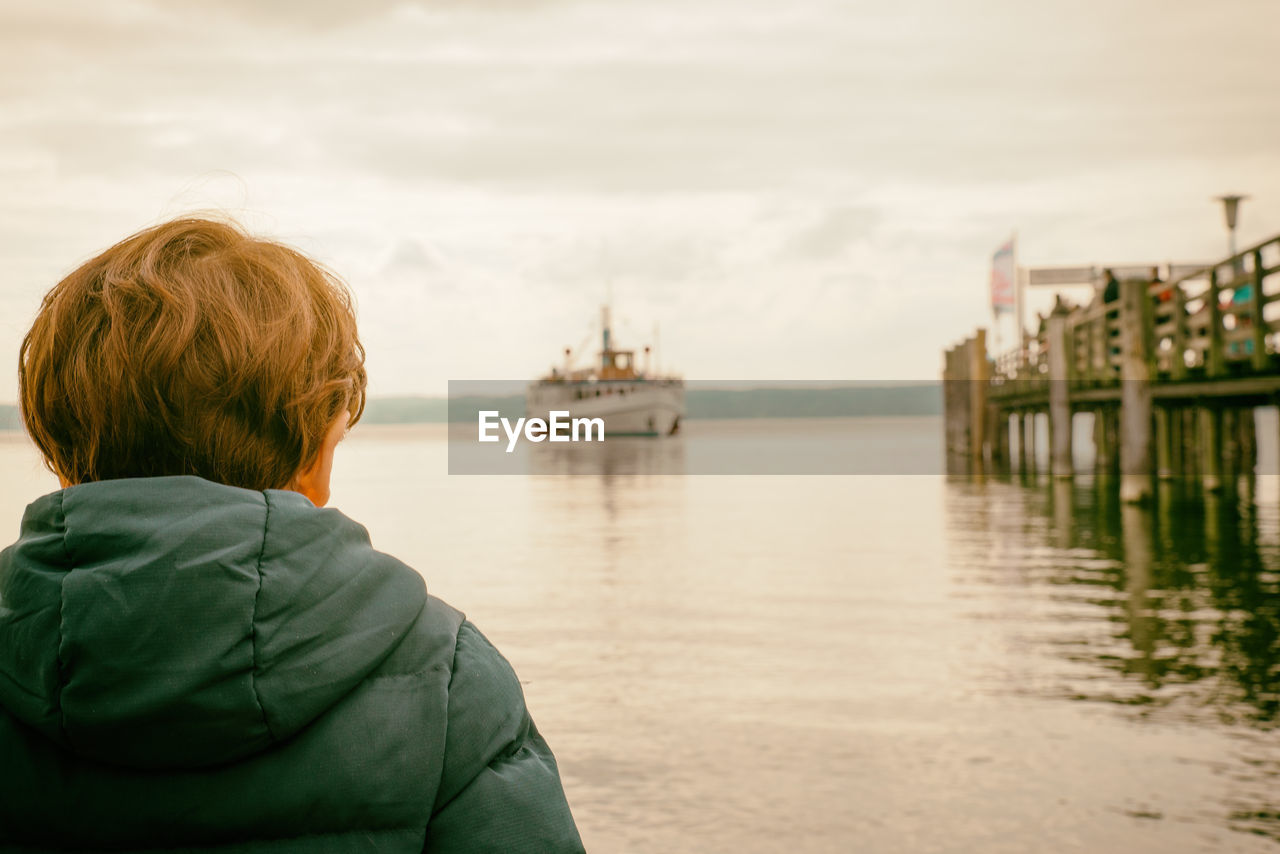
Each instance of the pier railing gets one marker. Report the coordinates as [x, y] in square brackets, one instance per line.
[1220, 321]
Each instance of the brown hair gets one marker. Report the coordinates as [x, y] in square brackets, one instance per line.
[191, 348]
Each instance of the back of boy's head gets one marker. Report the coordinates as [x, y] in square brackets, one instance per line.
[191, 348]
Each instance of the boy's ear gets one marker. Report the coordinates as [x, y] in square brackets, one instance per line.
[313, 480]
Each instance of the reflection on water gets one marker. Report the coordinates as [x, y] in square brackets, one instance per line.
[1171, 614]
[754, 664]
[896, 445]
[617, 457]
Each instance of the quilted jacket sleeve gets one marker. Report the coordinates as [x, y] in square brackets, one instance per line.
[500, 790]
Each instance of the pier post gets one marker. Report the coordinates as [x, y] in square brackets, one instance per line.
[1256, 303]
[1214, 362]
[1177, 440]
[998, 419]
[1060, 463]
[1178, 355]
[1210, 447]
[1230, 444]
[1248, 442]
[957, 401]
[1033, 463]
[1104, 441]
[977, 397]
[1135, 394]
[1020, 427]
[1274, 467]
[948, 403]
[1191, 441]
[1164, 443]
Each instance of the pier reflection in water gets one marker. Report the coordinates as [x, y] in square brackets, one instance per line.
[1169, 615]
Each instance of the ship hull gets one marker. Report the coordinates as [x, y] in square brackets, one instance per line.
[628, 408]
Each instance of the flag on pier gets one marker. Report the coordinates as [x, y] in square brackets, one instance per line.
[1002, 279]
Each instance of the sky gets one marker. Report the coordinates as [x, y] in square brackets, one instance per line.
[809, 190]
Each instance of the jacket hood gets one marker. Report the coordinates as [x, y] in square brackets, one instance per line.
[177, 623]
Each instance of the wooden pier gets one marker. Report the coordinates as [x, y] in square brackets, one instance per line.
[1170, 371]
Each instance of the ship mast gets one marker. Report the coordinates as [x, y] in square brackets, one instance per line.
[605, 355]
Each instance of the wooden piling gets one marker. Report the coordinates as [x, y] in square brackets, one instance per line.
[1190, 448]
[1033, 462]
[1104, 441]
[1164, 443]
[956, 400]
[1247, 441]
[998, 433]
[1060, 463]
[1181, 335]
[1215, 365]
[1230, 444]
[1210, 456]
[1257, 300]
[1020, 428]
[1135, 393]
[978, 381]
[1178, 460]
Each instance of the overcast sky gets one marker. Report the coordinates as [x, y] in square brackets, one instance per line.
[808, 189]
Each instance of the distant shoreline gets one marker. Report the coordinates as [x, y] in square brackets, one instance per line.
[776, 401]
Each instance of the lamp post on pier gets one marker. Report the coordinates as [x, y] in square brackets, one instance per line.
[1231, 207]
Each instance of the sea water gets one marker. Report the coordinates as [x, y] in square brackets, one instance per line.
[875, 662]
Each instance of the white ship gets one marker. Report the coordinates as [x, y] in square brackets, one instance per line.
[631, 400]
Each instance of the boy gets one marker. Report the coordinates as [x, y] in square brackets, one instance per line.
[194, 654]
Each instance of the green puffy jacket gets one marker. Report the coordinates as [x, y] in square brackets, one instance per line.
[185, 664]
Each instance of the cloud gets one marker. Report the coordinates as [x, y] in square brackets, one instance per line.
[833, 233]
[804, 175]
[413, 258]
